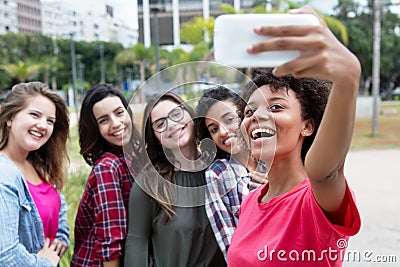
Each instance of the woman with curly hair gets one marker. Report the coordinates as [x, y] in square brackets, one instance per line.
[304, 212]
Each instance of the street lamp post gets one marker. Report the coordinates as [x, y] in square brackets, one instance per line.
[73, 66]
[129, 71]
[81, 68]
[155, 8]
[102, 70]
[376, 66]
[78, 63]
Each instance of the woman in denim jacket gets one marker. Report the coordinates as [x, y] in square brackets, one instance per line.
[34, 129]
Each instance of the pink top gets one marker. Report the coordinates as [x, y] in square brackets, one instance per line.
[48, 204]
[291, 230]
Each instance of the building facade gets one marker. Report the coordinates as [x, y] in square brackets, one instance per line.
[29, 16]
[8, 16]
[163, 11]
[58, 19]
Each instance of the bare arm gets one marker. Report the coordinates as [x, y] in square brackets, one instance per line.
[322, 56]
[113, 263]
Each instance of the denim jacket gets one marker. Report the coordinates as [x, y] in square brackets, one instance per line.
[21, 229]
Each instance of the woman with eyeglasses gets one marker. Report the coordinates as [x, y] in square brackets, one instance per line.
[168, 225]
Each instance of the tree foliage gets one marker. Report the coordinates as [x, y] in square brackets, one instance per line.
[21, 71]
[359, 21]
[27, 57]
[37, 57]
[192, 32]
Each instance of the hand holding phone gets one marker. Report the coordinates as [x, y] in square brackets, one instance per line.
[233, 34]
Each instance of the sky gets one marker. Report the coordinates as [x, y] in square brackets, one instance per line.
[123, 8]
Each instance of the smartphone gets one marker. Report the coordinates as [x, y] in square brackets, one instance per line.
[233, 34]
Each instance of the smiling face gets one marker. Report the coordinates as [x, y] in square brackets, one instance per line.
[222, 123]
[178, 134]
[274, 117]
[32, 127]
[113, 120]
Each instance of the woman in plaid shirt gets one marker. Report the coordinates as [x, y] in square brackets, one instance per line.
[228, 177]
[109, 143]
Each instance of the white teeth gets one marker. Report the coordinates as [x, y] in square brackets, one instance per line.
[261, 132]
[37, 134]
[228, 141]
[119, 133]
[176, 133]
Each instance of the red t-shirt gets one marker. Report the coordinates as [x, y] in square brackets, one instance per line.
[291, 230]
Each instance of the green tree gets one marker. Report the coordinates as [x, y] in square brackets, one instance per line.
[192, 32]
[54, 58]
[177, 56]
[48, 67]
[90, 57]
[228, 9]
[136, 55]
[358, 21]
[390, 46]
[21, 71]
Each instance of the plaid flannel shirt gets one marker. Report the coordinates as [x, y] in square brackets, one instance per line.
[227, 186]
[101, 220]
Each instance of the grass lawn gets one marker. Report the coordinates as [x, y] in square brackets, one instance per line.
[388, 137]
[388, 129]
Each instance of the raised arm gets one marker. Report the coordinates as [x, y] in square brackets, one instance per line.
[322, 56]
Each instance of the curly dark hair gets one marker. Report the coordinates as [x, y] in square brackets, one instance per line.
[209, 98]
[312, 94]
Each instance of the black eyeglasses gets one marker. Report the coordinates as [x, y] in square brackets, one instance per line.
[175, 115]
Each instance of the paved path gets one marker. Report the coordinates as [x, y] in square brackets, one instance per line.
[374, 175]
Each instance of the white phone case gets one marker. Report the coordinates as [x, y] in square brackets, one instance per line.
[233, 34]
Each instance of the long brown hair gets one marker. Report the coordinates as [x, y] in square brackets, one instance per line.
[91, 142]
[51, 159]
[158, 155]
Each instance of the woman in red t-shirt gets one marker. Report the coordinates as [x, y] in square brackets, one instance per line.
[306, 213]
